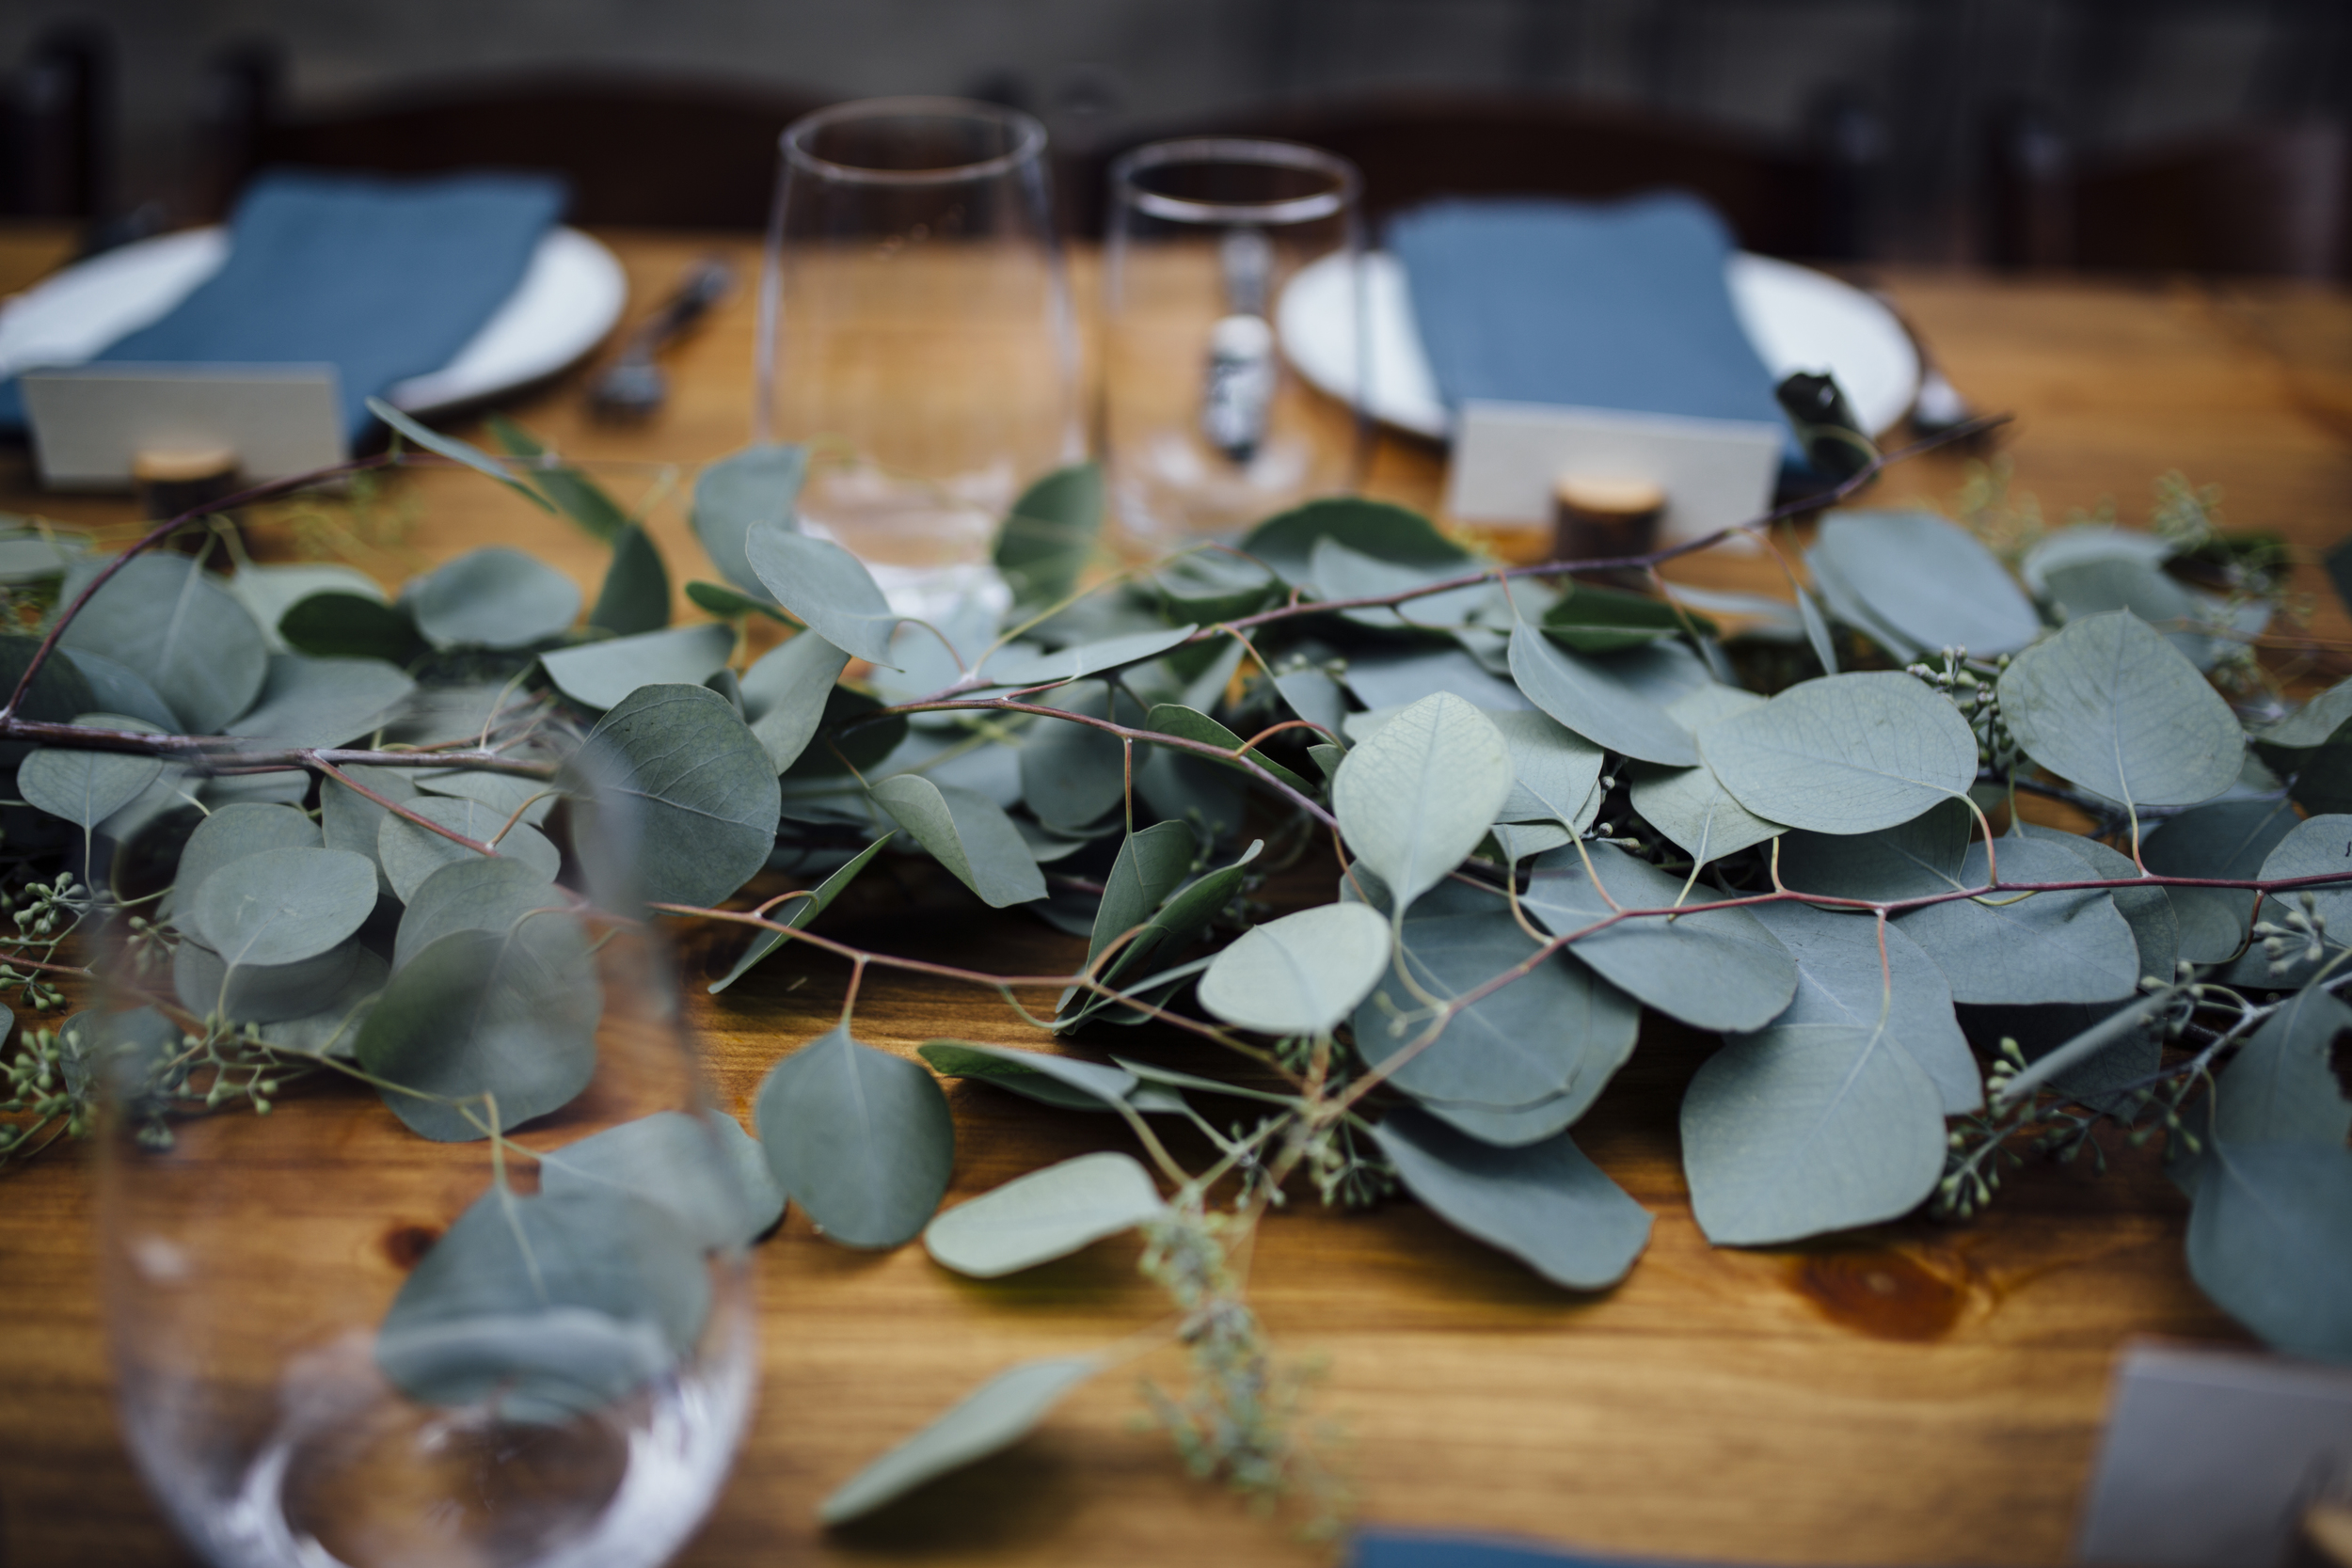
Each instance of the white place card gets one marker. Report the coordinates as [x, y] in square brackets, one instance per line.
[2211, 1458]
[90, 423]
[1508, 456]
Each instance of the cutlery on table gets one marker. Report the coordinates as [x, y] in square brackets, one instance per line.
[633, 386]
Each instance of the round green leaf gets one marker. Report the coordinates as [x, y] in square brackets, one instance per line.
[2270, 1241]
[1050, 1080]
[410, 853]
[599, 674]
[116, 688]
[86, 787]
[208, 986]
[2111, 706]
[1017, 666]
[1544, 1203]
[862, 1139]
[233, 832]
[1787, 1135]
[1378, 529]
[706, 1170]
[826, 587]
[476, 893]
[478, 1013]
[1046, 1214]
[1930, 579]
[785, 691]
[1049, 535]
[323, 702]
[739, 493]
[282, 905]
[1301, 974]
[1592, 697]
[968, 833]
[704, 791]
[176, 629]
[996, 1415]
[1420, 794]
[494, 597]
[1844, 753]
[2056, 947]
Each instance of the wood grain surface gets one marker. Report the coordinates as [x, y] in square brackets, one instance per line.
[1918, 1393]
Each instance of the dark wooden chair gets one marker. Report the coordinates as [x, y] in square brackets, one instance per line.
[1807, 197]
[665, 151]
[56, 119]
[2255, 199]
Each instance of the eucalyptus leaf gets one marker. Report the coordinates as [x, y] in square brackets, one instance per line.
[551, 1307]
[826, 587]
[323, 702]
[408, 853]
[2281, 1085]
[2270, 1241]
[1544, 1203]
[1507, 1126]
[1690, 805]
[799, 912]
[1181, 921]
[1928, 578]
[2316, 847]
[1210, 585]
[1286, 542]
[1188, 723]
[1593, 698]
[1073, 774]
[2079, 543]
[705, 792]
[480, 1015]
[635, 597]
[1016, 665]
[1336, 572]
[2114, 707]
[967, 833]
[859, 1138]
[1554, 1035]
[1844, 753]
[455, 450]
[1150, 866]
[337, 624]
[1554, 772]
[570, 491]
[1050, 1080]
[1912, 860]
[2035, 947]
[2148, 911]
[2309, 726]
[1301, 974]
[237, 831]
[1790, 1133]
[2225, 839]
[1049, 535]
[1206, 795]
[1817, 633]
[477, 894]
[1843, 984]
[599, 674]
[706, 1170]
[786, 692]
[996, 1415]
[118, 688]
[176, 628]
[728, 604]
[493, 597]
[330, 1028]
[1418, 795]
[280, 906]
[756, 487]
[1713, 969]
[85, 787]
[505, 793]
[209, 985]
[1592, 619]
[1046, 1214]
[31, 555]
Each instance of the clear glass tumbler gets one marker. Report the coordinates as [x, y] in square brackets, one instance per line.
[1212, 242]
[351, 1327]
[915, 329]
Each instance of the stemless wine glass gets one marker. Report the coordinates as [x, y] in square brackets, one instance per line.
[1207, 426]
[348, 1326]
[915, 330]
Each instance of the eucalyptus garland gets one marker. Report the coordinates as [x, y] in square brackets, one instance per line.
[1550, 804]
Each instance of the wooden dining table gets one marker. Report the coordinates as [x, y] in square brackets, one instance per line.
[1919, 1392]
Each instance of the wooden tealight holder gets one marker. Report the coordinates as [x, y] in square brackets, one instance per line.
[173, 481]
[1596, 517]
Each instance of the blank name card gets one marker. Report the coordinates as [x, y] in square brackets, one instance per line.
[90, 423]
[1508, 456]
[2212, 1458]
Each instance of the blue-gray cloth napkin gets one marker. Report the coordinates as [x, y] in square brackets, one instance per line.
[1617, 304]
[382, 278]
[1389, 1548]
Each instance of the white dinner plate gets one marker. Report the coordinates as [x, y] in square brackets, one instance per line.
[1797, 319]
[570, 295]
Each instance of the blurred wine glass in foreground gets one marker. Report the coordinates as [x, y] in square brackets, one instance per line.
[421, 1245]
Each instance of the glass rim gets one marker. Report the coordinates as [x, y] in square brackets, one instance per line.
[1236, 150]
[1029, 139]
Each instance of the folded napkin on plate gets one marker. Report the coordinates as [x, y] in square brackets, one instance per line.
[1617, 304]
[382, 278]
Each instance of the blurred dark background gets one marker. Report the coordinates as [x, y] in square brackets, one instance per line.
[2191, 133]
